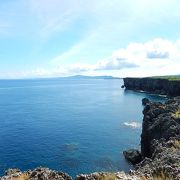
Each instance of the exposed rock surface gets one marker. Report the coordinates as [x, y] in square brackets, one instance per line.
[160, 141]
[153, 85]
[164, 162]
[159, 122]
[107, 176]
[36, 174]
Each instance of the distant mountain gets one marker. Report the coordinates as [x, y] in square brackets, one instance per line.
[92, 77]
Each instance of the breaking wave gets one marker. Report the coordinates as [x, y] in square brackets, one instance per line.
[132, 124]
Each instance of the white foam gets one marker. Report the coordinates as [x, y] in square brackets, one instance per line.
[132, 124]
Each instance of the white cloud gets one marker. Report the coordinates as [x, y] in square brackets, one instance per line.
[111, 24]
[155, 57]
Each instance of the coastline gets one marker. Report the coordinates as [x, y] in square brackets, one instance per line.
[160, 144]
[160, 150]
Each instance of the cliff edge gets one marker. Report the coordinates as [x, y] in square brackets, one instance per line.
[160, 86]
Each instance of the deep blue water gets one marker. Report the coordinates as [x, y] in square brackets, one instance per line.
[72, 125]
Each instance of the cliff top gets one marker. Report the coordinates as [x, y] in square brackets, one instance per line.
[170, 78]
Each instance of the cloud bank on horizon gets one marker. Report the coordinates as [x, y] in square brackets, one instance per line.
[47, 38]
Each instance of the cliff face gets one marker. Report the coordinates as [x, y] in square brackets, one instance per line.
[160, 121]
[160, 139]
[152, 85]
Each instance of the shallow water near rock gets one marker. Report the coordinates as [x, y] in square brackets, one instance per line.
[71, 125]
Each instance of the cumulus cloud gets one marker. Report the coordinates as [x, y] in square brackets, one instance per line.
[150, 57]
[156, 54]
[114, 64]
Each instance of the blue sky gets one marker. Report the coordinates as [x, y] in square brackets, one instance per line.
[47, 38]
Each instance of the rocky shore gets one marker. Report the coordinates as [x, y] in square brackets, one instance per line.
[153, 85]
[159, 158]
[160, 140]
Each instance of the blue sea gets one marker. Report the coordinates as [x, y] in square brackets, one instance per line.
[71, 125]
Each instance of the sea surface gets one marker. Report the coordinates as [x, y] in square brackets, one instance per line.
[71, 125]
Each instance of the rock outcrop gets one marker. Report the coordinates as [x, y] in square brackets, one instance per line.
[153, 85]
[108, 176]
[36, 174]
[133, 156]
[160, 121]
[160, 141]
[164, 162]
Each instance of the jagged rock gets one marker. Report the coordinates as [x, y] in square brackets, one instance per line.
[107, 176]
[133, 156]
[36, 174]
[10, 172]
[158, 122]
[164, 161]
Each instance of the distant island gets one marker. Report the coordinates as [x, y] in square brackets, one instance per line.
[90, 77]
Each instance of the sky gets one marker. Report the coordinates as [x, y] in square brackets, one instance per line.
[52, 38]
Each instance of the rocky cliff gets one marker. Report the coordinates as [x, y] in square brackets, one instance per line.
[160, 139]
[153, 85]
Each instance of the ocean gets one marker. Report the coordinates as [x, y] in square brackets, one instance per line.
[70, 125]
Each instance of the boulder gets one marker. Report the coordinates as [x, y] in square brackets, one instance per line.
[133, 156]
[145, 101]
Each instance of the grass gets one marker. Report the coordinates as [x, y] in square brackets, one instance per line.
[21, 177]
[176, 144]
[170, 78]
[177, 113]
[107, 177]
[160, 175]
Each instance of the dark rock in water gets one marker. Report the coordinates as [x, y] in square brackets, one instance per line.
[122, 86]
[145, 101]
[133, 156]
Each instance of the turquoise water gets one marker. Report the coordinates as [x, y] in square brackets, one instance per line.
[76, 126]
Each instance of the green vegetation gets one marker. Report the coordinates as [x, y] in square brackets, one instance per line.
[161, 175]
[170, 78]
[158, 175]
[107, 177]
[177, 113]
